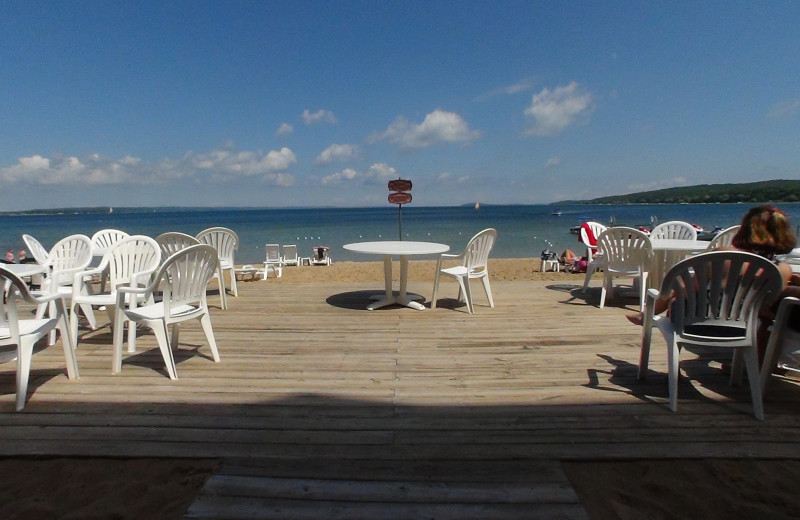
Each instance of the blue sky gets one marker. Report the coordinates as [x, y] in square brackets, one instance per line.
[273, 104]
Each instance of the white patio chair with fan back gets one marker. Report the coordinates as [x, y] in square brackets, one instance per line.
[226, 242]
[723, 239]
[676, 229]
[39, 254]
[588, 234]
[183, 278]
[24, 333]
[626, 253]
[473, 264]
[714, 300]
[101, 242]
[128, 262]
[173, 241]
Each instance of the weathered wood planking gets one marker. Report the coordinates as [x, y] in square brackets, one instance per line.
[434, 413]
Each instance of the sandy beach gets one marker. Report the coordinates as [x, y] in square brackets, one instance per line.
[111, 488]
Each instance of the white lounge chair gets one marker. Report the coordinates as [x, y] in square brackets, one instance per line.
[290, 255]
[320, 256]
[273, 260]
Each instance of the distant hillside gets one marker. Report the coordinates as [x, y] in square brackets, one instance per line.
[751, 192]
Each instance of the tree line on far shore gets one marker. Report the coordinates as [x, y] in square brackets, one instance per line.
[752, 192]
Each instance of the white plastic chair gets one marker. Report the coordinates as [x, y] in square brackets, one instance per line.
[183, 278]
[676, 229]
[129, 262]
[626, 253]
[39, 254]
[24, 333]
[724, 238]
[290, 255]
[69, 256]
[173, 241]
[784, 341]
[273, 260]
[320, 256]
[473, 264]
[715, 299]
[101, 242]
[226, 242]
[589, 233]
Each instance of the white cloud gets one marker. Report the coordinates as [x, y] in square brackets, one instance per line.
[218, 165]
[553, 161]
[439, 126]
[284, 129]
[346, 174]
[376, 172]
[320, 116]
[516, 88]
[339, 153]
[551, 112]
[785, 109]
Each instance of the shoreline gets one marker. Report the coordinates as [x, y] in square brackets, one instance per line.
[500, 269]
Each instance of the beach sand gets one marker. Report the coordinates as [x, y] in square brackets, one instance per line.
[105, 488]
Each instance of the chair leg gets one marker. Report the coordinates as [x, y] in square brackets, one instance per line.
[463, 281]
[221, 282]
[488, 290]
[673, 356]
[161, 332]
[234, 289]
[205, 322]
[24, 354]
[67, 342]
[754, 380]
[644, 353]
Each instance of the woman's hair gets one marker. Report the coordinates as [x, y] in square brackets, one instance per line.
[765, 231]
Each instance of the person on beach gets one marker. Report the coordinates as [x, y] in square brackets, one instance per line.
[765, 231]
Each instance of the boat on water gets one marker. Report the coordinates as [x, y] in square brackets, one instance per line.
[556, 213]
[477, 205]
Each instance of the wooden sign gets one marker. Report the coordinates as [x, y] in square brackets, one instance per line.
[399, 198]
[400, 185]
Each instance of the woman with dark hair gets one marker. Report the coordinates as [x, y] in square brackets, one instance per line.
[767, 232]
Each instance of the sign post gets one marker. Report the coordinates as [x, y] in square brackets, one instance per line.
[400, 196]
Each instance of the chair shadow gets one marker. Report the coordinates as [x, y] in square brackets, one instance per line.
[38, 376]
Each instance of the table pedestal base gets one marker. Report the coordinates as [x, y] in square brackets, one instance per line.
[409, 300]
[400, 297]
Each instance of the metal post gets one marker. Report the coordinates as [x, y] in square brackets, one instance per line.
[400, 220]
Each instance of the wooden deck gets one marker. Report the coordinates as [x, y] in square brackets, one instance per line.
[321, 409]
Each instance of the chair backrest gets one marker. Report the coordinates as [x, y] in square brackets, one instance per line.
[624, 247]
[224, 240]
[718, 294]
[106, 238]
[589, 233]
[132, 260]
[320, 253]
[70, 255]
[173, 241]
[273, 253]
[723, 238]
[476, 254]
[36, 248]
[184, 277]
[674, 229]
[290, 253]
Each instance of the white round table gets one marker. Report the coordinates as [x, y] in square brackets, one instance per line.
[669, 251]
[402, 249]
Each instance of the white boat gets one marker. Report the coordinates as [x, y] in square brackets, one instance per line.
[477, 205]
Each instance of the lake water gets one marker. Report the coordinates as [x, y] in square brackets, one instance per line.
[523, 231]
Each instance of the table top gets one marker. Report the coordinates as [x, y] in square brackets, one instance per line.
[398, 247]
[677, 244]
[27, 269]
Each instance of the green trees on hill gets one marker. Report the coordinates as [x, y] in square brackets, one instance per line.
[753, 192]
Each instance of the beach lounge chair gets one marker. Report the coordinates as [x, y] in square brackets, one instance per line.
[290, 255]
[273, 260]
[183, 278]
[226, 242]
[319, 255]
[473, 263]
[24, 333]
[715, 301]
